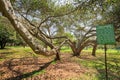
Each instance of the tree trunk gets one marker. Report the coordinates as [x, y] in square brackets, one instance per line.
[57, 56]
[78, 51]
[73, 50]
[7, 11]
[2, 45]
[94, 49]
[73, 47]
[76, 54]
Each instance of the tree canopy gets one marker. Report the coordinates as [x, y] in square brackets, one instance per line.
[49, 21]
[4, 36]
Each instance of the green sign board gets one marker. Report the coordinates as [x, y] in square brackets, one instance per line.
[105, 34]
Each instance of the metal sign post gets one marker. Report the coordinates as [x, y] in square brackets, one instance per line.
[105, 47]
[105, 36]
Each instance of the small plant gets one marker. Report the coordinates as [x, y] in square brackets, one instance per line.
[39, 72]
[54, 62]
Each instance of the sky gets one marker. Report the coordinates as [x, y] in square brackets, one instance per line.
[63, 2]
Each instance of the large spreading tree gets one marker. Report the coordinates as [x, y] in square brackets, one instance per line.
[32, 19]
[31, 32]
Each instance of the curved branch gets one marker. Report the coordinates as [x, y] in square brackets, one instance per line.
[90, 35]
[62, 44]
[53, 16]
[28, 20]
[8, 11]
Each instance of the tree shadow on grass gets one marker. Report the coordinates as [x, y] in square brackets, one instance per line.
[113, 70]
[6, 51]
[3, 55]
[6, 48]
[29, 74]
[111, 75]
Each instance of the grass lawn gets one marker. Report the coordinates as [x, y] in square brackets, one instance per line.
[94, 66]
[17, 52]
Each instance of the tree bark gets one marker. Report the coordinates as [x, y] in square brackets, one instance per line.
[57, 56]
[3, 45]
[94, 49]
[8, 11]
[78, 49]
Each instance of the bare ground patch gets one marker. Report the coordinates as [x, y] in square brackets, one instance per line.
[40, 69]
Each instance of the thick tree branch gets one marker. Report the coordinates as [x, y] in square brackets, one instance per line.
[7, 10]
[89, 36]
[28, 21]
[89, 42]
[62, 44]
[84, 37]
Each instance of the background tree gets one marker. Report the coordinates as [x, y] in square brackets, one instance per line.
[4, 36]
[81, 27]
[15, 39]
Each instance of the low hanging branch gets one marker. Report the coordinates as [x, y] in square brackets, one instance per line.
[7, 11]
[62, 44]
[28, 21]
[39, 31]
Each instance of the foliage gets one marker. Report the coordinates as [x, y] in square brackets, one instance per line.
[4, 36]
[14, 36]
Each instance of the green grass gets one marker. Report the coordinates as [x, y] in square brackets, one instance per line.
[97, 64]
[35, 73]
[53, 62]
[15, 52]
[39, 72]
[65, 49]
